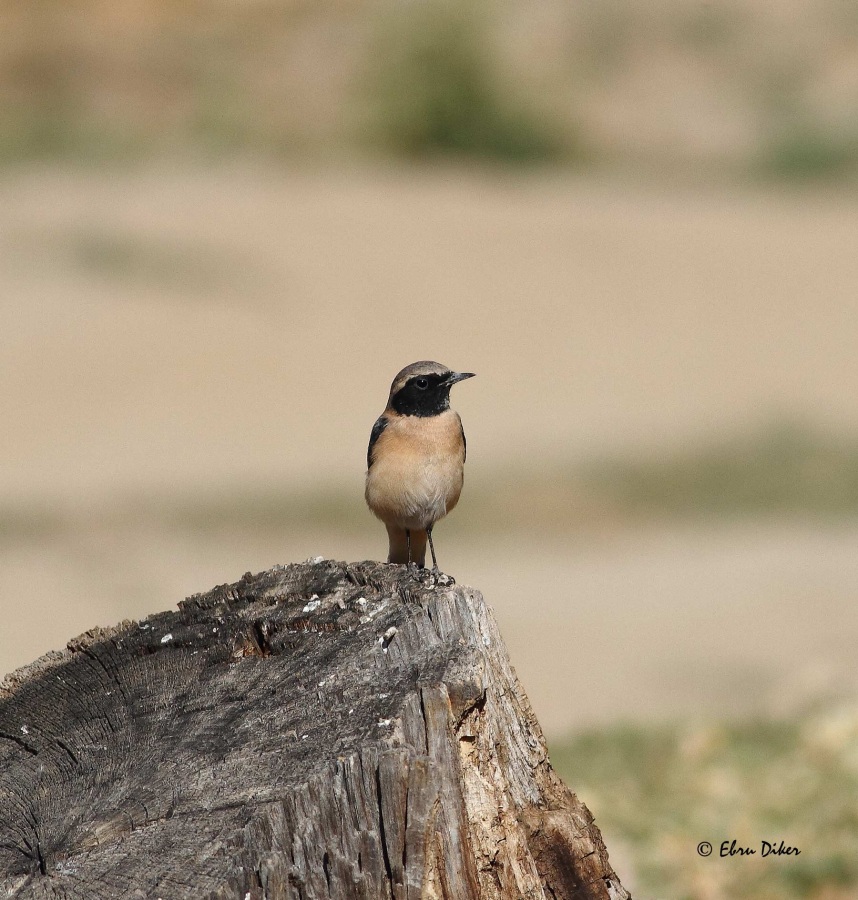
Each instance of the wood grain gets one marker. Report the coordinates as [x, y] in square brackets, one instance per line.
[319, 730]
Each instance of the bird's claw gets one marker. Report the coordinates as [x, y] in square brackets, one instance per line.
[431, 576]
[415, 571]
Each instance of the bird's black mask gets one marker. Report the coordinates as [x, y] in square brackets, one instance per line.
[423, 395]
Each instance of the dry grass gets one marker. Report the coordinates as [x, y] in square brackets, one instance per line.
[659, 792]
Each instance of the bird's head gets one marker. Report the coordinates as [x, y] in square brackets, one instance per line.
[423, 389]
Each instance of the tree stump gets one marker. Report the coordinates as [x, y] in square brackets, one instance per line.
[319, 730]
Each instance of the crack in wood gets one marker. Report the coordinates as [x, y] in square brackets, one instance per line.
[384, 849]
[24, 745]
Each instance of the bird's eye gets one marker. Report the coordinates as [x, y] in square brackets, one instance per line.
[421, 383]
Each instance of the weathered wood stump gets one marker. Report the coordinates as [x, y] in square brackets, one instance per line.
[320, 730]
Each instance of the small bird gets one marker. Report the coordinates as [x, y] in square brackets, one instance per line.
[415, 460]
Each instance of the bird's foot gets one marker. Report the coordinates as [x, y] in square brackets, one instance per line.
[428, 576]
[439, 577]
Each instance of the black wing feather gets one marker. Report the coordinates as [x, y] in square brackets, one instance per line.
[380, 424]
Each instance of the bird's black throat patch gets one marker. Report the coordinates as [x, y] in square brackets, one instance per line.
[432, 400]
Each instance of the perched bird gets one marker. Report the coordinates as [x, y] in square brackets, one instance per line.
[415, 460]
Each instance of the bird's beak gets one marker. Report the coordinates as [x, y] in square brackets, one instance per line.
[458, 376]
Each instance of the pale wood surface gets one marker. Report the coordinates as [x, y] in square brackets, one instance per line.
[319, 730]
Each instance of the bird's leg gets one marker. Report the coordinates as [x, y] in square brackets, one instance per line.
[412, 565]
[435, 569]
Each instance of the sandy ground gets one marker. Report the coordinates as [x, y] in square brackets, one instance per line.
[201, 330]
[194, 327]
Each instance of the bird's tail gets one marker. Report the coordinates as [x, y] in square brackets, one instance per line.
[399, 546]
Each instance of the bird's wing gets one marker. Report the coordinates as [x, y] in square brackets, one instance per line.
[380, 424]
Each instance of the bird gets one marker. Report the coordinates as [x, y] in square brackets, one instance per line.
[415, 460]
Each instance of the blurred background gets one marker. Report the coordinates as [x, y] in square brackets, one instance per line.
[225, 226]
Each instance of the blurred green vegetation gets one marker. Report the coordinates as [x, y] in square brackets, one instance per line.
[435, 89]
[171, 264]
[780, 470]
[658, 791]
[806, 151]
[743, 88]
